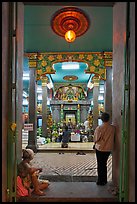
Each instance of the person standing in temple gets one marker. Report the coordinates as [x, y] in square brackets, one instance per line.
[70, 125]
[65, 137]
[86, 124]
[104, 141]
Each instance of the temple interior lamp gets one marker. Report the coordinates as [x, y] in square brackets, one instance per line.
[70, 22]
[70, 36]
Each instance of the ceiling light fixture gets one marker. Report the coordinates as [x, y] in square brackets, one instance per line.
[70, 22]
[70, 65]
[70, 77]
[70, 36]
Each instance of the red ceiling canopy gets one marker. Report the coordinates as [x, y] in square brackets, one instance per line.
[70, 18]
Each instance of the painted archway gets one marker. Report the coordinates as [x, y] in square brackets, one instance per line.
[97, 61]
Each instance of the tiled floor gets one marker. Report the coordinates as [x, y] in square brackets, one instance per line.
[69, 164]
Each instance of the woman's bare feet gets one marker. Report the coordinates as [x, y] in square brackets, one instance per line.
[43, 186]
[38, 192]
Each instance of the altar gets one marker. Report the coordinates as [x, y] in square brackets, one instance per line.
[75, 137]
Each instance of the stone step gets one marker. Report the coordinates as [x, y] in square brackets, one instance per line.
[68, 178]
[74, 192]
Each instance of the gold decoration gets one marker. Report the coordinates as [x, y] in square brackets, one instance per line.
[108, 59]
[40, 57]
[96, 62]
[101, 72]
[39, 72]
[89, 57]
[96, 80]
[32, 64]
[45, 80]
[13, 127]
[59, 57]
[32, 56]
[49, 121]
[48, 69]
[90, 119]
[43, 63]
[108, 63]
[92, 68]
[51, 58]
[99, 59]
[32, 60]
[100, 56]
[81, 56]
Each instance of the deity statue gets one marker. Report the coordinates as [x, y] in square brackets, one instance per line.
[49, 121]
[76, 95]
[59, 94]
[80, 94]
[64, 96]
[70, 93]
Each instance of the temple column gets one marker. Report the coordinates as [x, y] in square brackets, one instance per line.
[95, 101]
[44, 106]
[56, 113]
[32, 139]
[61, 114]
[108, 84]
[108, 92]
[56, 109]
[78, 114]
[84, 112]
[53, 112]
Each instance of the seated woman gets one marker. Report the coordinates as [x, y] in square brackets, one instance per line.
[27, 179]
[65, 137]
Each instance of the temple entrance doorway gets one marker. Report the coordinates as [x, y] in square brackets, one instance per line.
[70, 115]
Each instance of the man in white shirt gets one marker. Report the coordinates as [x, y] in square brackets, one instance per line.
[104, 141]
[86, 124]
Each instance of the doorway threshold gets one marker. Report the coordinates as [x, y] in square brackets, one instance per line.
[68, 178]
[74, 192]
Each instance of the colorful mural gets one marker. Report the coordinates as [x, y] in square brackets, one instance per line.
[70, 93]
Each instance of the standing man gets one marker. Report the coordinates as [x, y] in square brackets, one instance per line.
[86, 124]
[65, 137]
[104, 140]
[70, 125]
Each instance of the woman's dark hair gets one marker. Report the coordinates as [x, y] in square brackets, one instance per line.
[105, 117]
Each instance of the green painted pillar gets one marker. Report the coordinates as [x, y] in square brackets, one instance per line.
[61, 113]
[78, 114]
